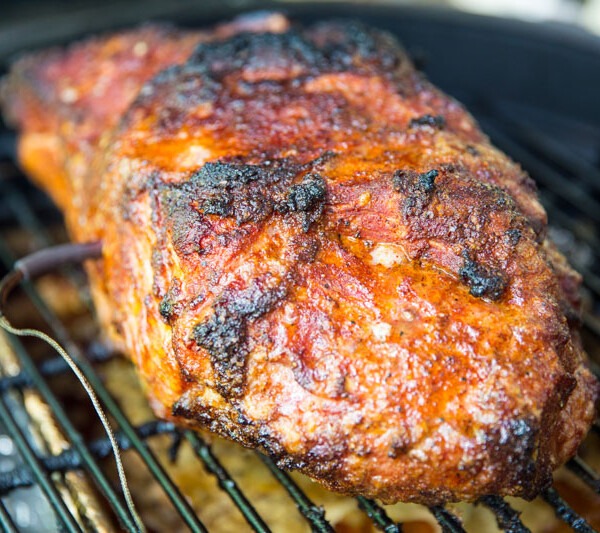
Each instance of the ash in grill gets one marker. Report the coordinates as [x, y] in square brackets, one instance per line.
[65, 470]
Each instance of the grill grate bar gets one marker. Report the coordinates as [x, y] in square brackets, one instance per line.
[74, 437]
[8, 145]
[593, 325]
[564, 511]
[47, 368]
[68, 460]
[6, 522]
[584, 472]
[61, 334]
[507, 517]
[378, 515]
[544, 173]
[313, 513]
[226, 483]
[29, 220]
[550, 150]
[167, 484]
[590, 280]
[449, 522]
[41, 476]
[25, 216]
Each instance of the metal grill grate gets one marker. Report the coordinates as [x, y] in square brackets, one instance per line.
[570, 191]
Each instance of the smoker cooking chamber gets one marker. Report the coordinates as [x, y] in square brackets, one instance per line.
[532, 88]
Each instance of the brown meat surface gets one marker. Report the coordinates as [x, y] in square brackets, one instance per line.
[309, 249]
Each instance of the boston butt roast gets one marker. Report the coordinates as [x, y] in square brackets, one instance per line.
[309, 249]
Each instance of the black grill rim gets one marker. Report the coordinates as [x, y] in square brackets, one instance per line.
[541, 159]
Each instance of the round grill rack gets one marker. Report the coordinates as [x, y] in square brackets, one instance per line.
[534, 93]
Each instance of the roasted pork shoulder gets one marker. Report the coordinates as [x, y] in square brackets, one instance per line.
[309, 249]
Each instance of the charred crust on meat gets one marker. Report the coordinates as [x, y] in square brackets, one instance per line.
[418, 189]
[433, 121]
[322, 457]
[228, 422]
[307, 195]
[224, 333]
[306, 198]
[193, 88]
[513, 236]
[252, 193]
[427, 180]
[189, 230]
[223, 336]
[170, 307]
[349, 44]
[223, 189]
[166, 309]
[514, 443]
[255, 51]
[412, 182]
[220, 174]
[401, 177]
[483, 282]
[220, 205]
[337, 46]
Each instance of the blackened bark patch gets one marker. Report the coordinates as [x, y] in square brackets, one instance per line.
[251, 193]
[411, 182]
[228, 175]
[306, 198]
[224, 189]
[513, 236]
[227, 422]
[170, 306]
[166, 309]
[189, 229]
[306, 195]
[219, 205]
[514, 443]
[328, 47]
[224, 333]
[481, 280]
[402, 178]
[433, 121]
[418, 189]
[256, 52]
[238, 190]
[427, 180]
